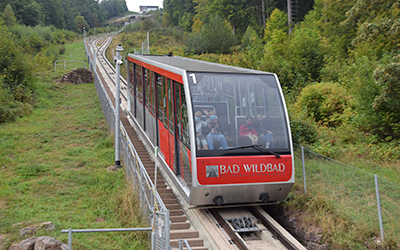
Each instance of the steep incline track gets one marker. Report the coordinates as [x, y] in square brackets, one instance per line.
[220, 228]
[180, 226]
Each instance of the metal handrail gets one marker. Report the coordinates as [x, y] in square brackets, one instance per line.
[65, 61]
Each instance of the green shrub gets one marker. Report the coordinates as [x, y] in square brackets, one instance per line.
[195, 43]
[327, 103]
[214, 37]
[387, 103]
[248, 37]
[303, 131]
[218, 35]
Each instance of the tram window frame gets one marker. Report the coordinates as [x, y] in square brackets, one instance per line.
[182, 113]
[149, 89]
[139, 85]
[153, 93]
[178, 109]
[160, 96]
[146, 84]
[131, 77]
[170, 113]
[165, 101]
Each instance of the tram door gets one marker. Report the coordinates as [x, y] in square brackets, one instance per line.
[173, 127]
[166, 120]
[175, 104]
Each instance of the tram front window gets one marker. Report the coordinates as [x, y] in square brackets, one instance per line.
[238, 111]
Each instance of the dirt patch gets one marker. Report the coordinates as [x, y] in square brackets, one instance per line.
[78, 76]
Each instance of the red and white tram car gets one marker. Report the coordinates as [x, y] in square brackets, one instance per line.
[217, 162]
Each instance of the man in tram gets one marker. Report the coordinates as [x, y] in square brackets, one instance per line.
[264, 135]
[247, 132]
[214, 132]
[200, 126]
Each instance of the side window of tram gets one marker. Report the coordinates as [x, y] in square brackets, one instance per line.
[182, 121]
[164, 100]
[149, 79]
[160, 97]
[146, 86]
[170, 113]
[131, 76]
[139, 87]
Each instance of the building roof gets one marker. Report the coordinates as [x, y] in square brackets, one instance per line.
[148, 7]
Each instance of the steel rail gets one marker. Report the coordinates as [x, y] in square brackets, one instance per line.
[101, 54]
[279, 232]
[224, 225]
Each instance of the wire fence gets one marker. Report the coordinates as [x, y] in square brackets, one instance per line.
[152, 206]
[64, 64]
[353, 191]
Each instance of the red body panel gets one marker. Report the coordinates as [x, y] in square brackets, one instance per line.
[158, 70]
[240, 170]
[165, 144]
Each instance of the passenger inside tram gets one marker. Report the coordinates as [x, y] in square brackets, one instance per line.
[233, 98]
[215, 133]
[200, 126]
[265, 137]
[247, 132]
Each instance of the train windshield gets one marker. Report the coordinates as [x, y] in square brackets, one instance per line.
[238, 114]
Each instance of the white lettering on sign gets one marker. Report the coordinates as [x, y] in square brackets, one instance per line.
[229, 169]
[252, 168]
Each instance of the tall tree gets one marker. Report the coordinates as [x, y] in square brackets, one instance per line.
[80, 23]
[8, 16]
[218, 35]
[178, 9]
[237, 12]
[377, 40]
[29, 12]
[52, 11]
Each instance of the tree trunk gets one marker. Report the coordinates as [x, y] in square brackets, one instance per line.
[263, 12]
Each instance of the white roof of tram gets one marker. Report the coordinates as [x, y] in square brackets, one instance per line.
[193, 65]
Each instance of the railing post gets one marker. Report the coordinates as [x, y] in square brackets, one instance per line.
[304, 170]
[118, 62]
[379, 205]
[70, 238]
[128, 77]
[155, 179]
[180, 244]
[167, 229]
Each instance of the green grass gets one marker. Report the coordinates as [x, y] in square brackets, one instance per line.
[341, 200]
[75, 52]
[53, 168]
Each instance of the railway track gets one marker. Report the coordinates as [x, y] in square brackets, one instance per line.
[252, 228]
[245, 227]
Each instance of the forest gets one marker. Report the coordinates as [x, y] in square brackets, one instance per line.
[64, 14]
[338, 62]
[32, 35]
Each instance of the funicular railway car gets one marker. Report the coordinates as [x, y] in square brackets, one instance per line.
[223, 132]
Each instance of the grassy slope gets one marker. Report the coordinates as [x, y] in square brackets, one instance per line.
[53, 168]
[336, 218]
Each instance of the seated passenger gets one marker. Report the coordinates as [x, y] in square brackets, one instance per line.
[214, 133]
[200, 125]
[247, 132]
[265, 137]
